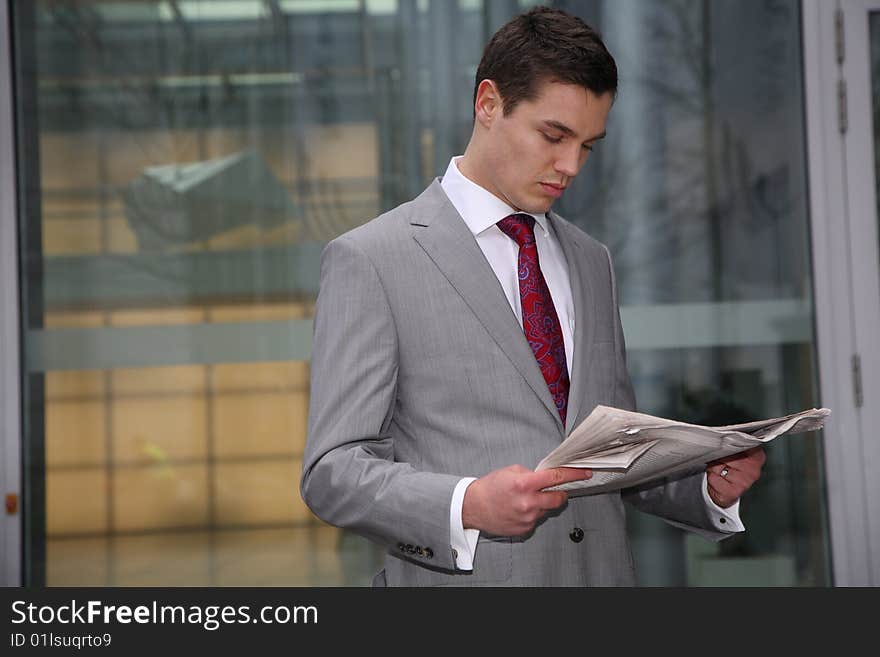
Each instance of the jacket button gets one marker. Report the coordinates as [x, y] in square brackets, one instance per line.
[576, 535]
[429, 552]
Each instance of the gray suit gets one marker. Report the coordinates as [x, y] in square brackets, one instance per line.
[421, 375]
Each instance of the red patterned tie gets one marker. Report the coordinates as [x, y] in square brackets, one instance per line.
[540, 322]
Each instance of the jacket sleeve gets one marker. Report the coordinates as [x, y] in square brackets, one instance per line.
[678, 500]
[349, 476]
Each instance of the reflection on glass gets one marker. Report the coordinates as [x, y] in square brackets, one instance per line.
[184, 163]
[700, 193]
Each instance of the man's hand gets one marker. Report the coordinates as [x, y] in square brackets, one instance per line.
[740, 472]
[510, 502]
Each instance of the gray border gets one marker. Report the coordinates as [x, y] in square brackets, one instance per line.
[10, 360]
[671, 326]
[108, 348]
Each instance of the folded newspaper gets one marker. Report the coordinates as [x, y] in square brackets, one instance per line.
[624, 448]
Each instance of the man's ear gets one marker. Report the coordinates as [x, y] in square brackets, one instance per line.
[488, 104]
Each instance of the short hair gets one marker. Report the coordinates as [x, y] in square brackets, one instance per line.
[545, 44]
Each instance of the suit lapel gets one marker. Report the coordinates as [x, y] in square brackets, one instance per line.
[446, 239]
[580, 279]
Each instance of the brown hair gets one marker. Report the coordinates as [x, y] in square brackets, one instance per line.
[545, 44]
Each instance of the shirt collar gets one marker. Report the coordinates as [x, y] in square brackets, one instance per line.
[479, 208]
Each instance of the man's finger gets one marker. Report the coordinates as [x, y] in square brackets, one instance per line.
[745, 468]
[733, 477]
[754, 454]
[736, 470]
[555, 476]
[752, 459]
[725, 492]
[552, 499]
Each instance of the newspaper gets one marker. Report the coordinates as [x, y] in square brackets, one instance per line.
[625, 448]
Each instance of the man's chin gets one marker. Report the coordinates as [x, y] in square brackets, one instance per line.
[535, 207]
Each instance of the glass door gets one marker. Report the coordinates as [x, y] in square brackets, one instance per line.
[180, 166]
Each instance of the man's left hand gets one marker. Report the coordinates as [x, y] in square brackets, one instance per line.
[730, 477]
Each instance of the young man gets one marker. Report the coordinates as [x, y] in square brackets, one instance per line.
[460, 336]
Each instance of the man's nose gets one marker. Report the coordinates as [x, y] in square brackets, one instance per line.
[568, 163]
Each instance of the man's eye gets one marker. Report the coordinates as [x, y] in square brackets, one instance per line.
[552, 140]
[587, 147]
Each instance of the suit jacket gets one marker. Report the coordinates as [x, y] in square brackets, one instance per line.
[421, 374]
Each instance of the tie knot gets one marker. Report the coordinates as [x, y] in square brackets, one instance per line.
[519, 227]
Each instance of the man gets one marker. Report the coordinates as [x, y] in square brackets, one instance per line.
[460, 336]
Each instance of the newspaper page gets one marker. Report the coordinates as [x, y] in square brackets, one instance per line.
[625, 448]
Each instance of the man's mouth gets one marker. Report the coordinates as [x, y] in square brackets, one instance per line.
[553, 190]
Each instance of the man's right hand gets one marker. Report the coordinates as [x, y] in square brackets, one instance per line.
[510, 501]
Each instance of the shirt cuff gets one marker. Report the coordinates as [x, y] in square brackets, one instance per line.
[464, 541]
[725, 520]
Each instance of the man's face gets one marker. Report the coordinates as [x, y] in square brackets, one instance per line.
[535, 152]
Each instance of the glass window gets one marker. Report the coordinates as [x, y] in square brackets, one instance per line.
[183, 164]
[700, 192]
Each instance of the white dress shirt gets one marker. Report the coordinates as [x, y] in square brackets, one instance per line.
[481, 211]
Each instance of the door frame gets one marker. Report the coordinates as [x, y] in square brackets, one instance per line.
[10, 344]
[846, 276]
